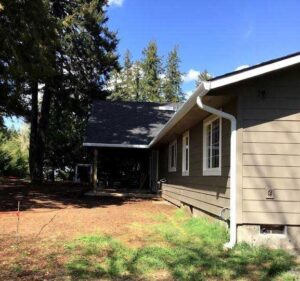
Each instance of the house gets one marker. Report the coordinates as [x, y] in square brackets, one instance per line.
[232, 151]
[119, 134]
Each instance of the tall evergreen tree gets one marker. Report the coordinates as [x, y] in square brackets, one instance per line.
[122, 81]
[172, 80]
[65, 46]
[137, 76]
[152, 70]
[203, 76]
[85, 59]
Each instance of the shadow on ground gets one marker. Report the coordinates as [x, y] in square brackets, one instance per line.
[52, 196]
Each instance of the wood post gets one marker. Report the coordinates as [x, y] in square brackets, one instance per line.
[95, 168]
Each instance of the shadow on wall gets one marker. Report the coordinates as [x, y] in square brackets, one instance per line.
[271, 152]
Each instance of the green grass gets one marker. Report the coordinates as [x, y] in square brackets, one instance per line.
[178, 248]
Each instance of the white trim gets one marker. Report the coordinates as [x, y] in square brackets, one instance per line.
[121, 145]
[206, 86]
[185, 172]
[206, 170]
[174, 168]
[260, 70]
[182, 111]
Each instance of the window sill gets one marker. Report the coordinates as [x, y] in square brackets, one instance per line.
[212, 172]
[172, 170]
[185, 174]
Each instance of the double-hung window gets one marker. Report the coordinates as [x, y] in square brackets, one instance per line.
[185, 153]
[173, 156]
[212, 136]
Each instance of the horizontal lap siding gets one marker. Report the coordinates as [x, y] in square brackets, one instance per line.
[208, 193]
[271, 150]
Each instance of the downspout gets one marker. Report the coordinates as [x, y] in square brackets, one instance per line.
[233, 163]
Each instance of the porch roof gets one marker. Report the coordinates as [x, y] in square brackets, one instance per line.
[126, 124]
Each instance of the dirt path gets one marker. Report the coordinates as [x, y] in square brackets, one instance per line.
[52, 211]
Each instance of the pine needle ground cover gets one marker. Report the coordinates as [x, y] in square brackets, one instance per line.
[175, 248]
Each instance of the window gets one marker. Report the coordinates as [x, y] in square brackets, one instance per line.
[173, 156]
[185, 153]
[212, 130]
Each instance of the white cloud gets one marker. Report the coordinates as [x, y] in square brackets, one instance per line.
[191, 75]
[118, 3]
[241, 67]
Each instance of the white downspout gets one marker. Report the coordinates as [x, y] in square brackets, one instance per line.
[233, 163]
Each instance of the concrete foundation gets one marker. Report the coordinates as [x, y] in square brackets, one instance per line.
[290, 240]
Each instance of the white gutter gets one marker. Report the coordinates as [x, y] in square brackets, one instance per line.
[233, 162]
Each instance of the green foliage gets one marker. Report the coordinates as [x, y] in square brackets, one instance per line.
[180, 248]
[124, 84]
[67, 47]
[14, 152]
[147, 79]
[86, 57]
[172, 82]
[152, 70]
[203, 76]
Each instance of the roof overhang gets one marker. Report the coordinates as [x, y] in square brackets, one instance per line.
[117, 145]
[207, 86]
[203, 89]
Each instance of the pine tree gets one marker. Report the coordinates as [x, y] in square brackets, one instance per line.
[137, 80]
[85, 60]
[65, 46]
[128, 76]
[151, 74]
[122, 81]
[203, 76]
[172, 80]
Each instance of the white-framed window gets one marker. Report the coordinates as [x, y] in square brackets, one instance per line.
[212, 145]
[186, 153]
[173, 156]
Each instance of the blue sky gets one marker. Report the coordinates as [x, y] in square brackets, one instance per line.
[215, 35]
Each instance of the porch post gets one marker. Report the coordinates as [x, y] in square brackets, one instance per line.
[95, 168]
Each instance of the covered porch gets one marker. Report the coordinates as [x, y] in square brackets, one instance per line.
[124, 170]
[118, 138]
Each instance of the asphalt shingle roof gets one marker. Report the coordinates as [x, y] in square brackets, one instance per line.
[130, 123]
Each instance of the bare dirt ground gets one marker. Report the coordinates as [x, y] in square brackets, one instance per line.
[60, 212]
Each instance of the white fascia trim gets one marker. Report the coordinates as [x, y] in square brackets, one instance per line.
[255, 72]
[183, 110]
[205, 87]
[120, 145]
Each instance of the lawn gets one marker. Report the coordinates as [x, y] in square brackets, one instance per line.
[64, 235]
[174, 247]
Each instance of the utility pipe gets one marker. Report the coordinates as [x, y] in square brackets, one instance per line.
[232, 119]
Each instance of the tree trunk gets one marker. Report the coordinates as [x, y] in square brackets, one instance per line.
[42, 130]
[34, 174]
[39, 125]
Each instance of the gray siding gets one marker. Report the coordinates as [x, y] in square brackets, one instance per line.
[208, 193]
[271, 149]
